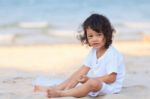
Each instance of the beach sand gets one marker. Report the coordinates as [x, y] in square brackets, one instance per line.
[20, 65]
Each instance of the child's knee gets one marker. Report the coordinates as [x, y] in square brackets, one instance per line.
[94, 84]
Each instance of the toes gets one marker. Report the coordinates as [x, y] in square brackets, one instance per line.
[49, 96]
[48, 93]
[36, 88]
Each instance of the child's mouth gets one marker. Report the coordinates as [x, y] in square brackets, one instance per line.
[95, 44]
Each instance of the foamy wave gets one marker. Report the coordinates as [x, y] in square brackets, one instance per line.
[33, 24]
[141, 25]
[7, 38]
[63, 33]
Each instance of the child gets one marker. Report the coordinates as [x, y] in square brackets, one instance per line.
[103, 69]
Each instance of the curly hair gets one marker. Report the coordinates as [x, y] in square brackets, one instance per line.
[99, 24]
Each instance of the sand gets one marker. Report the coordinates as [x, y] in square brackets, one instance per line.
[20, 65]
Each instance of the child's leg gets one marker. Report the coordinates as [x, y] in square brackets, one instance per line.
[71, 82]
[80, 91]
[38, 88]
[64, 85]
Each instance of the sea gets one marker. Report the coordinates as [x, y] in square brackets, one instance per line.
[58, 21]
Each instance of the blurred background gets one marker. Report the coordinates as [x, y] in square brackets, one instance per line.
[57, 21]
[38, 38]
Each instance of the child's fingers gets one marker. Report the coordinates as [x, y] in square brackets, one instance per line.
[80, 80]
[84, 76]
[48, 93]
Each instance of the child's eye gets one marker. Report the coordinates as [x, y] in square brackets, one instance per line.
[90, 35]
[99, 34]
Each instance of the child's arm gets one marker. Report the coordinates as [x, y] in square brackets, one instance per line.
[73, 80]
[107, 78]
[110, 78]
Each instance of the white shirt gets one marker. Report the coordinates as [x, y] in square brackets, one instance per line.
[110, 61]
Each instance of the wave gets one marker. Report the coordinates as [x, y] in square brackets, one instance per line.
[141, 25]
[34, 25]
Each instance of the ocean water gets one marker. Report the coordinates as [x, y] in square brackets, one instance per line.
[28, 17]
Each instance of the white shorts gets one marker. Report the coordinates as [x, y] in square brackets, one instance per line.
[106, 89]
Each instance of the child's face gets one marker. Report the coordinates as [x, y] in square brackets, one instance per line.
[95, 39]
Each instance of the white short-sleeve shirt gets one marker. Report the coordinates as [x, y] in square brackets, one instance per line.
[111, 61]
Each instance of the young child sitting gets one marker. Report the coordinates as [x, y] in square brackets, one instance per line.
[103, 70]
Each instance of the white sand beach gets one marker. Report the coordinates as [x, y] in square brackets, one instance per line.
[20, 65]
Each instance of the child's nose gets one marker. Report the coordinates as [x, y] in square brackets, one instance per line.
[94, 38]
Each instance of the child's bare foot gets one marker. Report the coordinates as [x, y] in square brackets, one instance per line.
[51, 93]
[38, 88]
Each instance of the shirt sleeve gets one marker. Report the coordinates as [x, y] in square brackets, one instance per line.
[112, 65]
[88, 60]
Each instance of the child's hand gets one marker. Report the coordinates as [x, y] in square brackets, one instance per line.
[83, 78]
